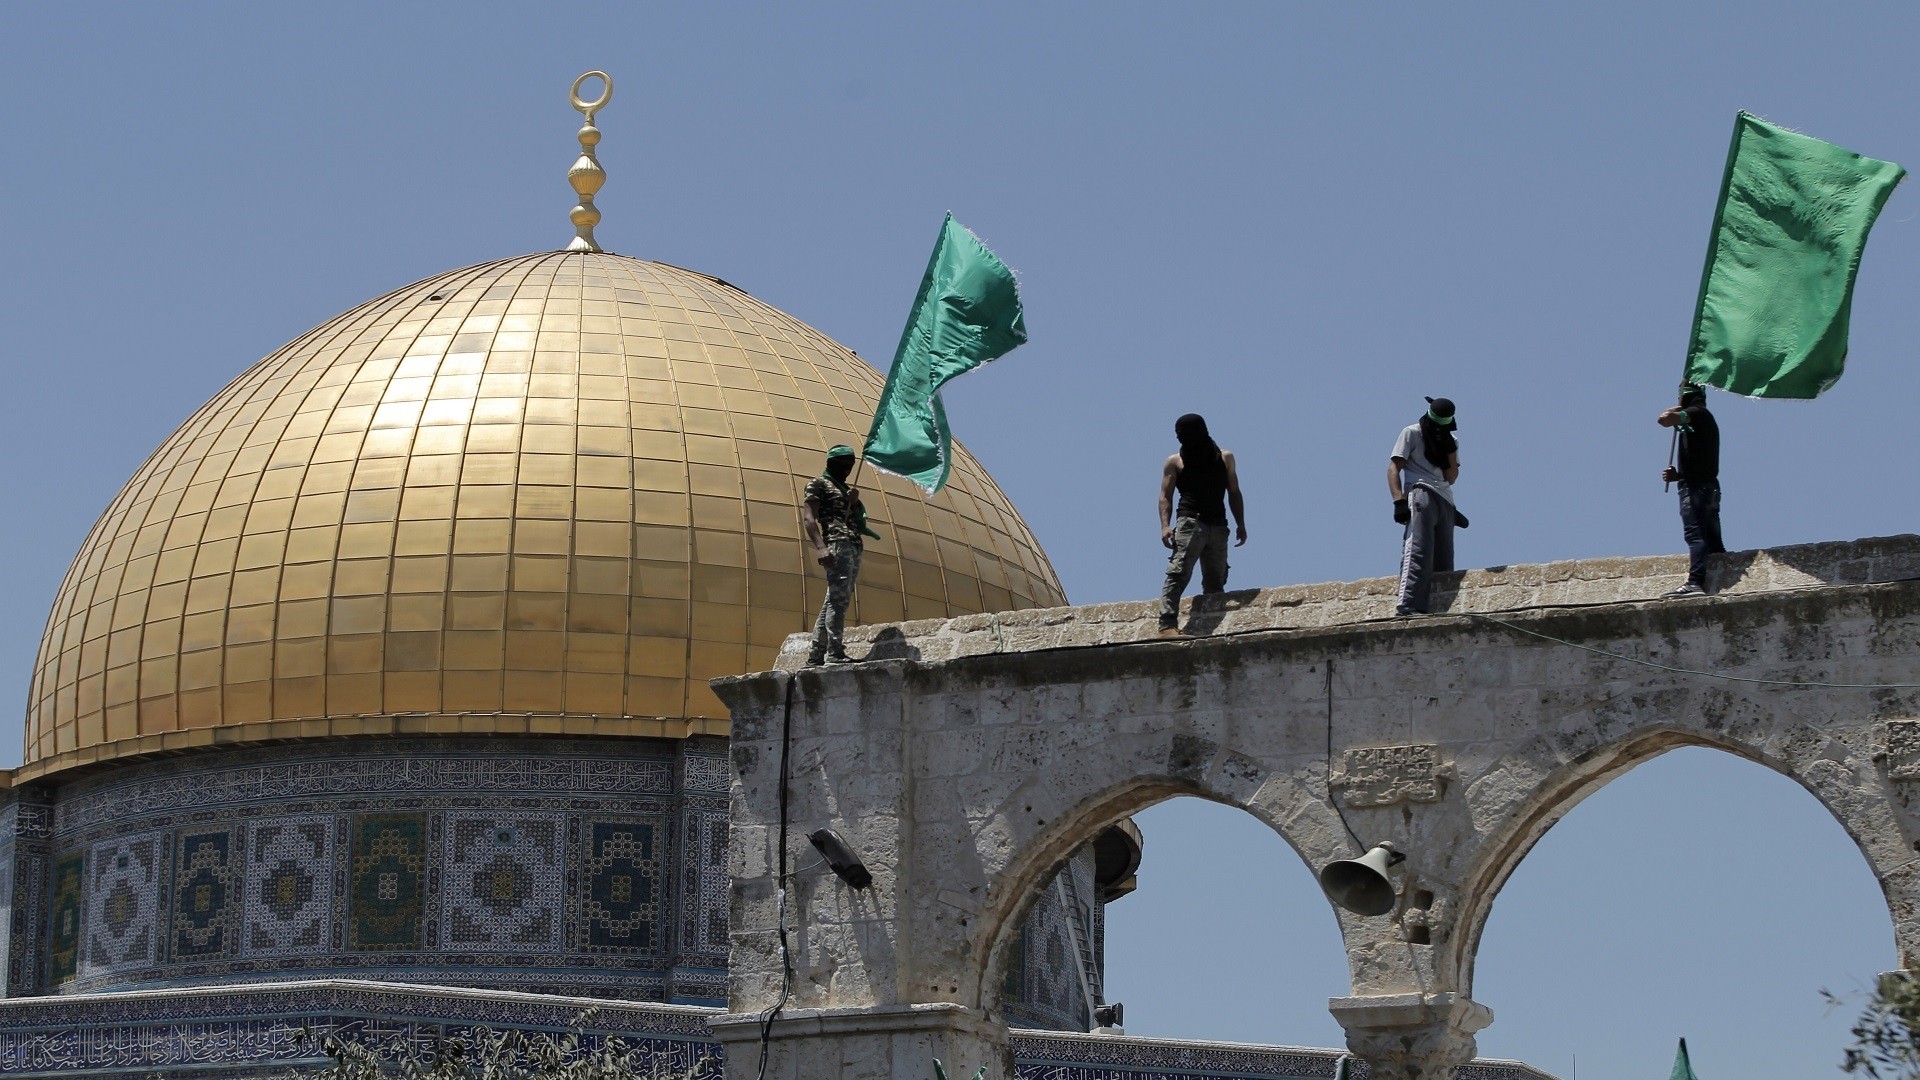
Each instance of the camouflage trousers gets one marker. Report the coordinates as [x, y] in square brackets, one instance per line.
[830, 629]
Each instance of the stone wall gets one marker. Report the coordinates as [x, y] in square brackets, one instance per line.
[966, 768]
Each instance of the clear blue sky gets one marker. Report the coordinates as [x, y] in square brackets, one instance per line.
[1294, 220]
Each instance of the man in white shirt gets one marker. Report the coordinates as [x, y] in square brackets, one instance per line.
[1420, 476]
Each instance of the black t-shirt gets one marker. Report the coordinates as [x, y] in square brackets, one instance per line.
[1699, 446]
[1203, 490]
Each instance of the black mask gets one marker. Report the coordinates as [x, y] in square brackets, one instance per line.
[1437, 437]
[1196, 446]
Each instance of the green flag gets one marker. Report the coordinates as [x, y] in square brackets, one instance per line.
[968, 312]
[1777, 290]
[1682, 1065]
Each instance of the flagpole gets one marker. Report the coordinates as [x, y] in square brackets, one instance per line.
[1672, 448]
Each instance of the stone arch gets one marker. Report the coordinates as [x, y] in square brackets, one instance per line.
[976, 764]
[1015, 888]
[1810, 761]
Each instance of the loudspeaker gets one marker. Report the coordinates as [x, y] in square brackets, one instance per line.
[1361, 885]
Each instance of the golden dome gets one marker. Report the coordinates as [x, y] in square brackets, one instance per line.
[549, 494]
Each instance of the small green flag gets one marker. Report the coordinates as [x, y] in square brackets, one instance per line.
[968, 312]
[1682, 1065]
[1777, 291]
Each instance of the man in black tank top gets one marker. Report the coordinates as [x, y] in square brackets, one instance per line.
[1208, 483]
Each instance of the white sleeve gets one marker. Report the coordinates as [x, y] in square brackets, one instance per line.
[1407, 445]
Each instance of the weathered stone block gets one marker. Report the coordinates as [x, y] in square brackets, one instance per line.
[1386, 775]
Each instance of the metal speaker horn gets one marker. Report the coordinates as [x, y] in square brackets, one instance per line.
[1361, 885]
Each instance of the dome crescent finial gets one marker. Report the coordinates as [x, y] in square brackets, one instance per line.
[586, 175]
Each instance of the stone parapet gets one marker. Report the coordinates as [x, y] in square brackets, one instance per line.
[1059, 1055]
[1573, 583]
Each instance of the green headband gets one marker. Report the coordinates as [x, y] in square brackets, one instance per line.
[1443, 421]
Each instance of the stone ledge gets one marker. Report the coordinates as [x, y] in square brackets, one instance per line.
[1091, 1054]
[1573, 583]
[876, 1020]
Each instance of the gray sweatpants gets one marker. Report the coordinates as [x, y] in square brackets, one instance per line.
[1427, 549]
[1194, 543]
[830, 629]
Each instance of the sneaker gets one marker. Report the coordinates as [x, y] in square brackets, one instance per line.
[1171, 632]
[840, 658]
[815, 661]
[1689, 589]
[1404, 611]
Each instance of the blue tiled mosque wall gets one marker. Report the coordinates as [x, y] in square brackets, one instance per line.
[563, 866]
[577, 866]
[1043, 989]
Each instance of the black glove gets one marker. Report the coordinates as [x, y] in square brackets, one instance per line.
[1401, 515]
[1459, 519]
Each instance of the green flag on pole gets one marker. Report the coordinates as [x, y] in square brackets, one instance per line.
[1682, 1065]
[968, 312]
[1777, 291]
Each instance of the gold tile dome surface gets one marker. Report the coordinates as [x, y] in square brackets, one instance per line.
[548, 494]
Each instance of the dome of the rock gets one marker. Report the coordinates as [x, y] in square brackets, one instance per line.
[551, 494]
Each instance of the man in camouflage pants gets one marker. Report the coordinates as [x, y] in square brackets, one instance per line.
[834, 520]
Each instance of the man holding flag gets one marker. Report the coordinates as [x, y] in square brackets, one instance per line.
[834, 521]
[1698, 475]
[1776, 297]
[967, 313]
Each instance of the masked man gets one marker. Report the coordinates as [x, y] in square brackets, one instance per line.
[1420, 476]
[1698, 475]
[1208, 484]
[834, 522]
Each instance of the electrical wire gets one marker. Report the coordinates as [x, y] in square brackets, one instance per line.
[780, 897]
[1336, 802]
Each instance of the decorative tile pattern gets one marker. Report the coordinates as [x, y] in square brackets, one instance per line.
[504, 882]
[209, 1032]
[288, 904]
[705, 889]
[387, 881]
[709, 772]
[611, 880]
[203, 923]
[1050, 994]
[69, 888]
[122, 895]
[620, 902]
[265, 776]
[25, 868]
[11, 893]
